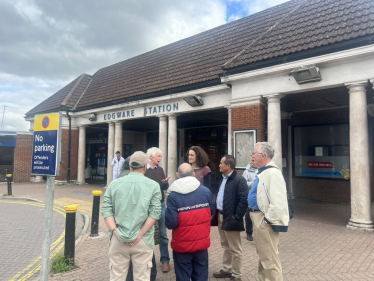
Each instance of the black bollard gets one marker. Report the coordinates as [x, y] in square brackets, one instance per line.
[95, 213]
[9, 179]
[70, 232]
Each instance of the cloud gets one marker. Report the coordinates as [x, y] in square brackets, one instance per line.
[47, 44]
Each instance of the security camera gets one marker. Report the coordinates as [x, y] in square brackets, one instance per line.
[92, 117]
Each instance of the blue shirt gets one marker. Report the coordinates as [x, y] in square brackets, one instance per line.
[221, 192]
[252, 196]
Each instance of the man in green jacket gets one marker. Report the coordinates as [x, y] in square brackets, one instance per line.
[131, 207]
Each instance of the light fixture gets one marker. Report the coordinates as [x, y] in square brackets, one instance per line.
[194, 100]
[305, 74]
[92, 117]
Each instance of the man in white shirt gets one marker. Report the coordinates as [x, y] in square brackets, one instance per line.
[117, 165]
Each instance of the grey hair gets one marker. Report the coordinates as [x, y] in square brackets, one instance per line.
[186, 172]
[153, 151]
[266, 149]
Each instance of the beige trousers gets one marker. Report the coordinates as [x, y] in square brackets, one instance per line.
[269, 265]
[119, 260]
[232, 244]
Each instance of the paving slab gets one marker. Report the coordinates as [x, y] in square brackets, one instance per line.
[317, 247]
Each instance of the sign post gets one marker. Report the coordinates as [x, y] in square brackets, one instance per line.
[46, 162]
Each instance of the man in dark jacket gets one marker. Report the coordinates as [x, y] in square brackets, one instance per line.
[231, 206]
[189, 209]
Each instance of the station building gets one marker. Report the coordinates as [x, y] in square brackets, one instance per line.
[298, 75]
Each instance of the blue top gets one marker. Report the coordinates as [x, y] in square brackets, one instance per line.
[221, 192]
[252, 196]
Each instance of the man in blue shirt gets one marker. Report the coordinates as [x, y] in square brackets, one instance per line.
[268, 208]
[231, 207]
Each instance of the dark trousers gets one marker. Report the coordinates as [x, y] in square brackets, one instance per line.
[191, 266]
[130, 276]
[248, 223]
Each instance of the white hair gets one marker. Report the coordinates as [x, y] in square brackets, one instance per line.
[266, 149]
[153, 151]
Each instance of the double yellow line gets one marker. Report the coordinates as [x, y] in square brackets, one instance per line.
[56, 247]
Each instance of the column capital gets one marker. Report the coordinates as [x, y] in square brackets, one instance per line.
[228, 108]
[356, 86]
[274, 98]
[119, 121]
[162, 117]
[172, 116]
[110, 123]
[82, 126]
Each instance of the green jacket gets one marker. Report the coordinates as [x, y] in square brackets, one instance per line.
[131, 200]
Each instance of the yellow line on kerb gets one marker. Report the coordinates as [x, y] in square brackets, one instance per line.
[56, 247]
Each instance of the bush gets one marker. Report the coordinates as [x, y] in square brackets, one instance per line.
[60, 264]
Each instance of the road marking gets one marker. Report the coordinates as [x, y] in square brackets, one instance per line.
[55, 247]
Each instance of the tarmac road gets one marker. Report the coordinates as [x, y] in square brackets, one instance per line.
[21, 237]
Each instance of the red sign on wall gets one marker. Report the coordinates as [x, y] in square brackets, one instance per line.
[323, 165]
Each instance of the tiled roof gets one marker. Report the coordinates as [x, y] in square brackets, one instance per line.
[291, 28]
[67, 97]
[192, 60]
[314, 24]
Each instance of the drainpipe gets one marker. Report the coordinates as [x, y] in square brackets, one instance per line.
[69, 149]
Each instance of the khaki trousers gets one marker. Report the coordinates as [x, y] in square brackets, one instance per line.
[269, 266]
[119, 260]
[232, 244]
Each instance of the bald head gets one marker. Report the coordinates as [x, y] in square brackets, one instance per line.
[185, 170]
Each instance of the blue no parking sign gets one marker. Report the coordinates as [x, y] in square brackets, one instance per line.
[46, 152]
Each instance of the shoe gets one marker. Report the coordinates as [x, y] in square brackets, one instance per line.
[236, 278]
[222, 274]
[249, 237]
[165, 267]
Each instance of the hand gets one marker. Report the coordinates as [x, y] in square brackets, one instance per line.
[166, 179]
[115, 232]
[266, 224]
[115, 161]
[134, 242]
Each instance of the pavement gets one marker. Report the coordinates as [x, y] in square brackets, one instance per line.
[317, 247]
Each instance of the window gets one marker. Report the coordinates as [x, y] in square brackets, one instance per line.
[321, 151]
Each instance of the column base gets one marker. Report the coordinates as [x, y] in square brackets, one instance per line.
[366, 225]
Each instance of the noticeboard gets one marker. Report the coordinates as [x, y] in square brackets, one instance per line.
[46, 150]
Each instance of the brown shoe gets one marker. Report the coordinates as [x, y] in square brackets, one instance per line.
[222, 274]
[165, 267]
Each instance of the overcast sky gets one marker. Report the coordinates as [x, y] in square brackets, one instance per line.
[45, 44]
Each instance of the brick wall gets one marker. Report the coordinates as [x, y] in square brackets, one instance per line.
[321, 189]
[73, 155]
[22, 158]
[248, 118]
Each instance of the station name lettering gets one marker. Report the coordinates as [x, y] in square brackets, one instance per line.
[43, 147]
[160, 109]
[119, 114]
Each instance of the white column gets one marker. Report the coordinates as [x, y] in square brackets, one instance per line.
[172, 148]
[274, 128]
[229, 133]
[163, 141]
[359, 158]
[81, 154]
[118, 137]
[110, 153]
